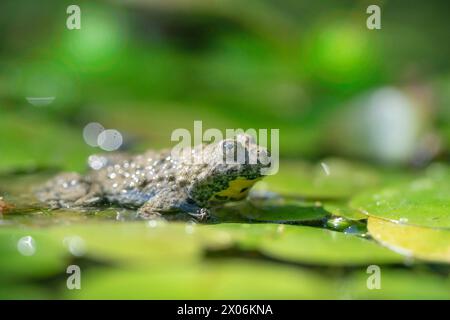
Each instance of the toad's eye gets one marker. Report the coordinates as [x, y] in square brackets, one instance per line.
[243, 190]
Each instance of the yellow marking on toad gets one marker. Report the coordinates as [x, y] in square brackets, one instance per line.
[233, 192]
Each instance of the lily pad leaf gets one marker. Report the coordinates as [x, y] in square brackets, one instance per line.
[279, 211]
[422, 202]
[63, 146]
[210, 280]
[342, 209]
[396, 284]
[154, 242]
[330, 179]
[302, 244]
[424, 243]
[29, 254]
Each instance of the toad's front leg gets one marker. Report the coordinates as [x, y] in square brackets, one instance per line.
[201, 214]
[172, 207]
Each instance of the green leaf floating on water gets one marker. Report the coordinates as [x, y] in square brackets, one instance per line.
[308, 245]
[241, 279]
[161, 243]
[421, 202]
[424, 243]
[152, 243]
[234, 279]
[396, 284]
[277, 210]
[158, 243]
[29, 254]
[332, 178]
[155, 259]
[342, 209]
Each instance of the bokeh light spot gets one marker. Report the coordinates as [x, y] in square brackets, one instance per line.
[26, 246]
[75, 245]
[110, 140]
[91, 132]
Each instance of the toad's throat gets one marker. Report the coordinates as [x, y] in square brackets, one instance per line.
[237, 190]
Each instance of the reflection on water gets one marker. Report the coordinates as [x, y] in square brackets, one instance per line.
[25, 210]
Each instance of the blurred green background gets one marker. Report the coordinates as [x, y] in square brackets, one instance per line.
[147, 67]
[370, 106]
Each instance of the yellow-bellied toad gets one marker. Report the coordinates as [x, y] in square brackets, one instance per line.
[159, 183]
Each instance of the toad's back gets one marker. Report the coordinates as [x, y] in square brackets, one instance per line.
[134, 180]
